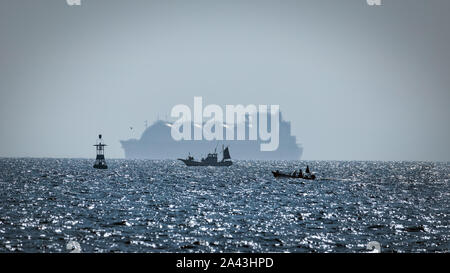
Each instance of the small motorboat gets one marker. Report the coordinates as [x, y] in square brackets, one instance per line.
[284, 175]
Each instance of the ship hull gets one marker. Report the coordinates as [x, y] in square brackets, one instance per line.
[197, 163]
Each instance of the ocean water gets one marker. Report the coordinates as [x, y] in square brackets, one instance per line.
[164, 206]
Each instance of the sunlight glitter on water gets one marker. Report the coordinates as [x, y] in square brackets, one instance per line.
[164, 206]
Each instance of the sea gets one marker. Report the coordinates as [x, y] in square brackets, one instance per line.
[65, 205]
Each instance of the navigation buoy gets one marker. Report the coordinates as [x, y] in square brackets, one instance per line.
[100, 162]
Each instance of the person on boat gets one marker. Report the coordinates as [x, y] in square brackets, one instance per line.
[294, 174]
[307, 169]
[300, 173]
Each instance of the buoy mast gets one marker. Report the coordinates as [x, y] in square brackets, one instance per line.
[100, 162]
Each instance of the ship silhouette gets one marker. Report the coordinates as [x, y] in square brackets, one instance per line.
[156, 142]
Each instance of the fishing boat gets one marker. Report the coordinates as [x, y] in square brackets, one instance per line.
[210, 160]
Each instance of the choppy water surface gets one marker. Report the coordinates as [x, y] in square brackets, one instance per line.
[164, 206]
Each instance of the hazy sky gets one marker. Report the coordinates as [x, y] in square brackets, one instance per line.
[357, 82]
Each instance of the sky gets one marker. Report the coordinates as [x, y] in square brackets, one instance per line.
[357, 82]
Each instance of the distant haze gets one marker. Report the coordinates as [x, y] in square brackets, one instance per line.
[356, 82]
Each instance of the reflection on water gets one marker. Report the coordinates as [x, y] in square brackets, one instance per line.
[164, 206]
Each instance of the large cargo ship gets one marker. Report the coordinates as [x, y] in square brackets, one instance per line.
[157, 143]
